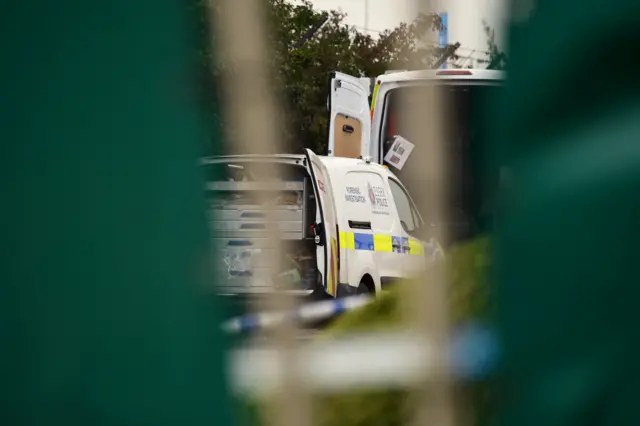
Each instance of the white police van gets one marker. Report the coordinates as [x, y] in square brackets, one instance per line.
[346, 225]
[370, 123]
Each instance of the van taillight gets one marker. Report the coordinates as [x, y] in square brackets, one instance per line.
[454, 72]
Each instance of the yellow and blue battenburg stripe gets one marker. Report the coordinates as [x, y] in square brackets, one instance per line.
[380, 243]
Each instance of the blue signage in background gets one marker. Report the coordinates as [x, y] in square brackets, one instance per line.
[443, 35]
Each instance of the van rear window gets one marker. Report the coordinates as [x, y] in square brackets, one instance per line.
[464, 106]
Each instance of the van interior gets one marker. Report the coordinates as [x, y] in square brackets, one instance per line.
[462, 102]
[235, 193]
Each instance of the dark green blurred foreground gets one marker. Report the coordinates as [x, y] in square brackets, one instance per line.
[566, 245]
[104, 243]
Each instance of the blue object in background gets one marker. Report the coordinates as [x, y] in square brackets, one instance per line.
[474, 352]
[443, 35]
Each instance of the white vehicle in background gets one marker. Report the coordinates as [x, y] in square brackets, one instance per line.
[346, 225]
[365, 123]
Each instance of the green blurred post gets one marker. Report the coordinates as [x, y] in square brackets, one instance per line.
[104, 241]
[567, 235]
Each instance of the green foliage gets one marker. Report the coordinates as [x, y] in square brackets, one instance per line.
[469, 297]
[302, 74]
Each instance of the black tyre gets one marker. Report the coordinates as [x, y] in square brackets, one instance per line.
[319, 295]
[363, 288]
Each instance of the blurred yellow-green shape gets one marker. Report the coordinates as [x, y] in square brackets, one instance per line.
[104, 242]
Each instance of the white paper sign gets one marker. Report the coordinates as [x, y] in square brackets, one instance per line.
[399, 152]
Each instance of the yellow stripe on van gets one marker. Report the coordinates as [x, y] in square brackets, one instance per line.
[347, 240]
[382, 243]
[332, 282]
[374, 97]
[415, 247]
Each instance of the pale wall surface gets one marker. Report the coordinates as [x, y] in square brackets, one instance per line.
[465, 19]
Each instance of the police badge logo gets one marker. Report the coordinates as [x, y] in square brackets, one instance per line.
[372, 195]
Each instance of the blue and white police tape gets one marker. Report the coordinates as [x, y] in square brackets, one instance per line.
[306, 313]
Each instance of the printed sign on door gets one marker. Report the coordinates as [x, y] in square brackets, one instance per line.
[399, 152]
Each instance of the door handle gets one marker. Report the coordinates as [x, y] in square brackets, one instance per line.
[318, 233]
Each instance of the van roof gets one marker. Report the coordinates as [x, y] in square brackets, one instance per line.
[447, 74]
[343, 162]
[240, 157]
[330, 162]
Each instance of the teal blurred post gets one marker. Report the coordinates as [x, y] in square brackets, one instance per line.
[567, 234]
[104, 242]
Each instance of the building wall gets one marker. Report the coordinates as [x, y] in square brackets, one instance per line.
[465, 19]
[465, 25]
[382, 14]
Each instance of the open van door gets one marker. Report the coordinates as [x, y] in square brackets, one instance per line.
[349, 117]
[325, 228]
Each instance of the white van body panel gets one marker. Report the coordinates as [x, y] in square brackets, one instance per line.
[363, 198]
[354, 205]
[349, 115]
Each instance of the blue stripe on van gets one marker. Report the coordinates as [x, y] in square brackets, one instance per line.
[363, 241]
